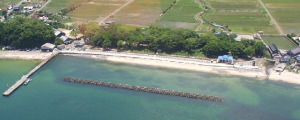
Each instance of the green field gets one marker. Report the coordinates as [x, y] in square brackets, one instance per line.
[4, 3]
[182, 14]
[183, 11]
[280, 41]
[286, 13]
[56, 5]
[242, 16]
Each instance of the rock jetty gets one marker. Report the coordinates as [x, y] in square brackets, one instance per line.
[145, 89]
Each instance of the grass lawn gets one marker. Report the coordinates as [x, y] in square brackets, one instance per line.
[280, 41]
[242, 16]
[286, 13]
[56, 5]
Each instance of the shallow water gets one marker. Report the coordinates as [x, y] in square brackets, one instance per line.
[47, 97]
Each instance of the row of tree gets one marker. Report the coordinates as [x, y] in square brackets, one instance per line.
[169, 40]
[25, 33]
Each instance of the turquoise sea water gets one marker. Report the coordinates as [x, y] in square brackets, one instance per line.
[47, 97]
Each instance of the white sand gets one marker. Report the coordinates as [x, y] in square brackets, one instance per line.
[285, 76]
[24, 55]
[156, 60]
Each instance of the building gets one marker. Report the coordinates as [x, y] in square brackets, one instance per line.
[225, 59]
[28, 7]
[65, 39]
[298, 60]
[294, 52]
[16, 9]
[285, 59]
[9, 7]
[58, 33]
[47, 47]
[273, 50]
[78, 44]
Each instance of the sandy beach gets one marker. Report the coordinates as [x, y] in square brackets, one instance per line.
[31, 55]
[166, 61]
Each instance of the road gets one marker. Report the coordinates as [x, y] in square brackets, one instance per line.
[114, 12]
[272, 18]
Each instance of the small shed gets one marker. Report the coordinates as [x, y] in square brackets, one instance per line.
[225, 59]
[47, 47]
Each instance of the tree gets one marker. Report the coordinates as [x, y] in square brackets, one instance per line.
[215, 48]
[120, 44]
[237, 49]
[82, 28]
[250, 51]
[91, 29]
[4, 13]
[259, 47]
[106, 44]
[74, 33]
[190, 44]
[26, 33]
[58, 41]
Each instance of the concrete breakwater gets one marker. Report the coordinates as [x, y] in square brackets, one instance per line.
[145, 89]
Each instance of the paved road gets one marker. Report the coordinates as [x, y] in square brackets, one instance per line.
[114, 12]
[272, 18]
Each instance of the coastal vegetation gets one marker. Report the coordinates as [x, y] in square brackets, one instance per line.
[25, 33]
[169, 40]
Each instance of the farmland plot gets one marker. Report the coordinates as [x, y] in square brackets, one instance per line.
[141, 12]
[182, 14]
[286, 13]
[244, 16]
[282, 42]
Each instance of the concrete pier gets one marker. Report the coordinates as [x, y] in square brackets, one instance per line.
[25, 77]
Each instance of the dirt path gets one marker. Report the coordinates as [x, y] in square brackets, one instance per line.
[198, 18]
[113, 13]
[279, 29]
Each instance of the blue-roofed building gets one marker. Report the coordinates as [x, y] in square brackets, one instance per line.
[225, 59]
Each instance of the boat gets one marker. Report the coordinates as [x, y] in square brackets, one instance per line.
[27, 81]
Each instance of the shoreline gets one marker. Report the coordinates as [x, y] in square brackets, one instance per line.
[160, 61]
[31, 55]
